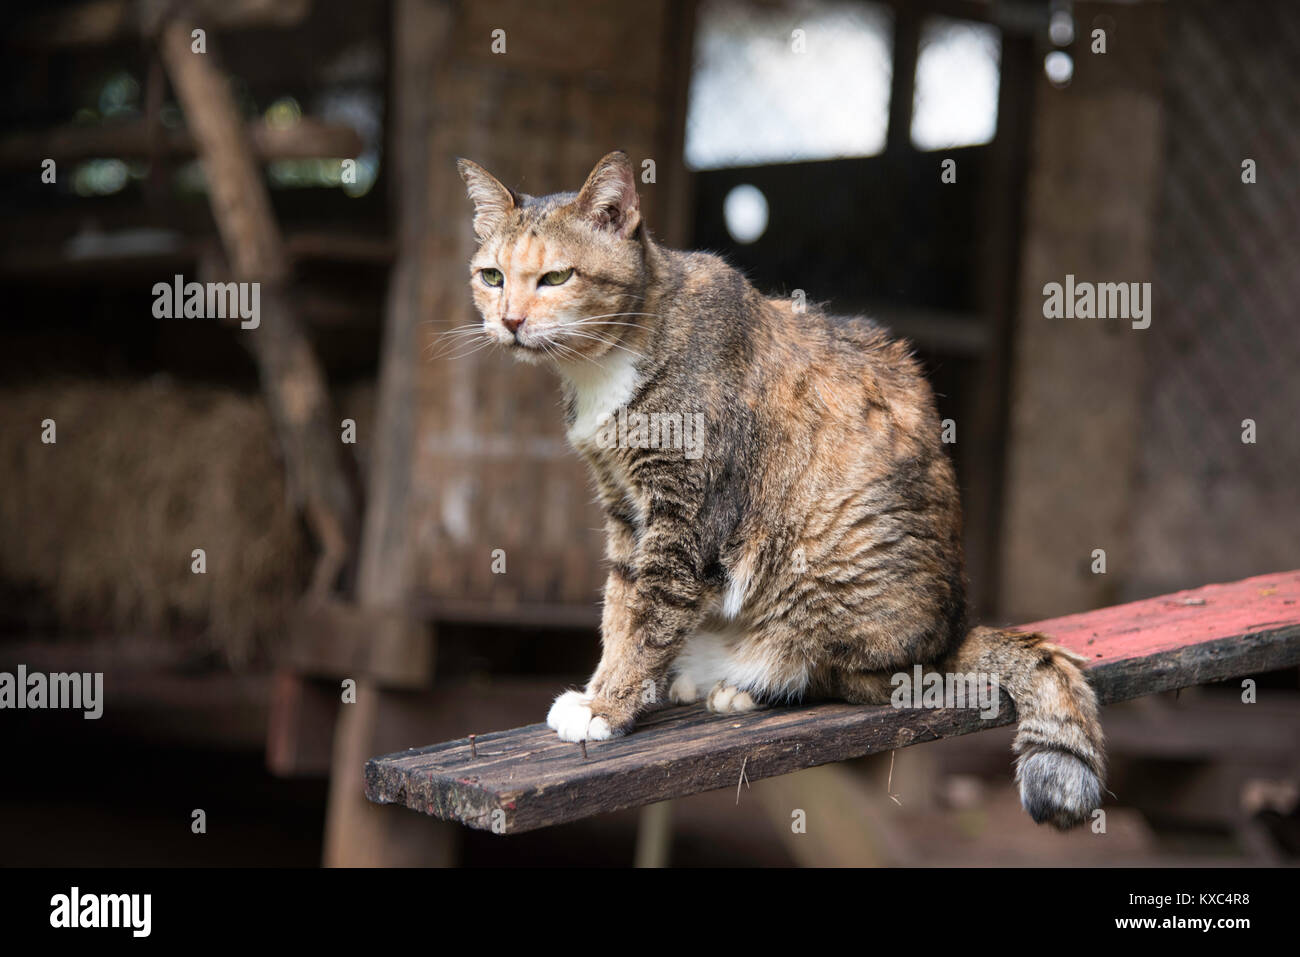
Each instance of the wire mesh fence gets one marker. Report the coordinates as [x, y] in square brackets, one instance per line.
[1218, 494]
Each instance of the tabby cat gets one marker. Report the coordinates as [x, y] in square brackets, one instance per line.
[811, 547]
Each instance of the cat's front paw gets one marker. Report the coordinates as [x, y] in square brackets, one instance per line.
[572, 719]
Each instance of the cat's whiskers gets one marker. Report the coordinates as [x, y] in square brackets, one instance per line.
[452, 339]
[612, 315]
[443, 349]
[460, 332]
[585, 327]
[467, 354]
[609, 342]
[564, 352]
[475, 329]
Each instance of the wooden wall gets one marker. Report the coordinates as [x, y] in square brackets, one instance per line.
[482, 463]
[1076, 384]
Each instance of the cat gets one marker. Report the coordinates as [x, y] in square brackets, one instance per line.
[811, 548]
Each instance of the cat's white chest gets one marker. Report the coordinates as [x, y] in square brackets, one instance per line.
[600, 389]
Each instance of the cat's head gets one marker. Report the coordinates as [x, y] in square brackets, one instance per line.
[556, 277]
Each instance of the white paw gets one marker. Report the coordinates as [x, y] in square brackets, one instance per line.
[570, 718]
[683, 690]
[726, 699]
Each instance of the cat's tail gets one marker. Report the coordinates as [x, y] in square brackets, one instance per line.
[1062, 760]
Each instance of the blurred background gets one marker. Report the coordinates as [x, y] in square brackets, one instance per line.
[350, 481]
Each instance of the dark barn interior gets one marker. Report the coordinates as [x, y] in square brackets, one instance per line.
[370, 562]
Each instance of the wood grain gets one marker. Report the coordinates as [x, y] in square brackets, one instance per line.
[534, 780]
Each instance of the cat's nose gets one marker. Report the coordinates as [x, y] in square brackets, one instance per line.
[513, 322]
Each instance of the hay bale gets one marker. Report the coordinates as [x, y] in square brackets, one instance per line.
[103, 523]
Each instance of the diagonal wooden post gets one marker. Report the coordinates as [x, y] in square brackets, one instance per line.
[291, 375]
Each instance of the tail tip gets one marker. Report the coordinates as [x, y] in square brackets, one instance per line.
[1058, 788]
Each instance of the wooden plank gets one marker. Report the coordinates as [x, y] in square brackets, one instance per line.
[136, 139]
[527, 778]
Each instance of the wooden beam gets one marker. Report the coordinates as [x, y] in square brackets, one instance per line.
[307, 139]
[356, 833]
[300, 727]
[654, 835]
[1002, 204]
[156, 690]
[123, 255]
[335, 639]
[291, 374]
[527, 778]
[843, 816]
[305, 711]
[902, 87]
[98, 22]
[1078, 393]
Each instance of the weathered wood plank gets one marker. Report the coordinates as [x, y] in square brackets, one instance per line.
[527, 778]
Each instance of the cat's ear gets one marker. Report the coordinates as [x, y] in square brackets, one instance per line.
[608, 199]
[492, 201]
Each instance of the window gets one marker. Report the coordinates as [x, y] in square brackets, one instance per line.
[957, 78]
[799, 81]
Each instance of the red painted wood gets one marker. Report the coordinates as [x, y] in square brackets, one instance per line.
[1143, 628]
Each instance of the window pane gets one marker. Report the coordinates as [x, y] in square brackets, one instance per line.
[762, 93]
[957, 74]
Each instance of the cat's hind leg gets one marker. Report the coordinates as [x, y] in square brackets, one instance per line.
[699, 668]
[734, 673]
[862, 687]
[728, 699]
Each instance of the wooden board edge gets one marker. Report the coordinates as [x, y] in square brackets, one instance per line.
[458, 799]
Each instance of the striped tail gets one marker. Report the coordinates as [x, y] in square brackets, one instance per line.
[1062, 760]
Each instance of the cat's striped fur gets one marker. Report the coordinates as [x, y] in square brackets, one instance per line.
[813, 549]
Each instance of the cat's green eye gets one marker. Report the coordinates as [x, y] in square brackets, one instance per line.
[556, 277]
[491, 277]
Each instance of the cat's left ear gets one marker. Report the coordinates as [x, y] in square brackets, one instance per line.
[608, 199]
[492, 201]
